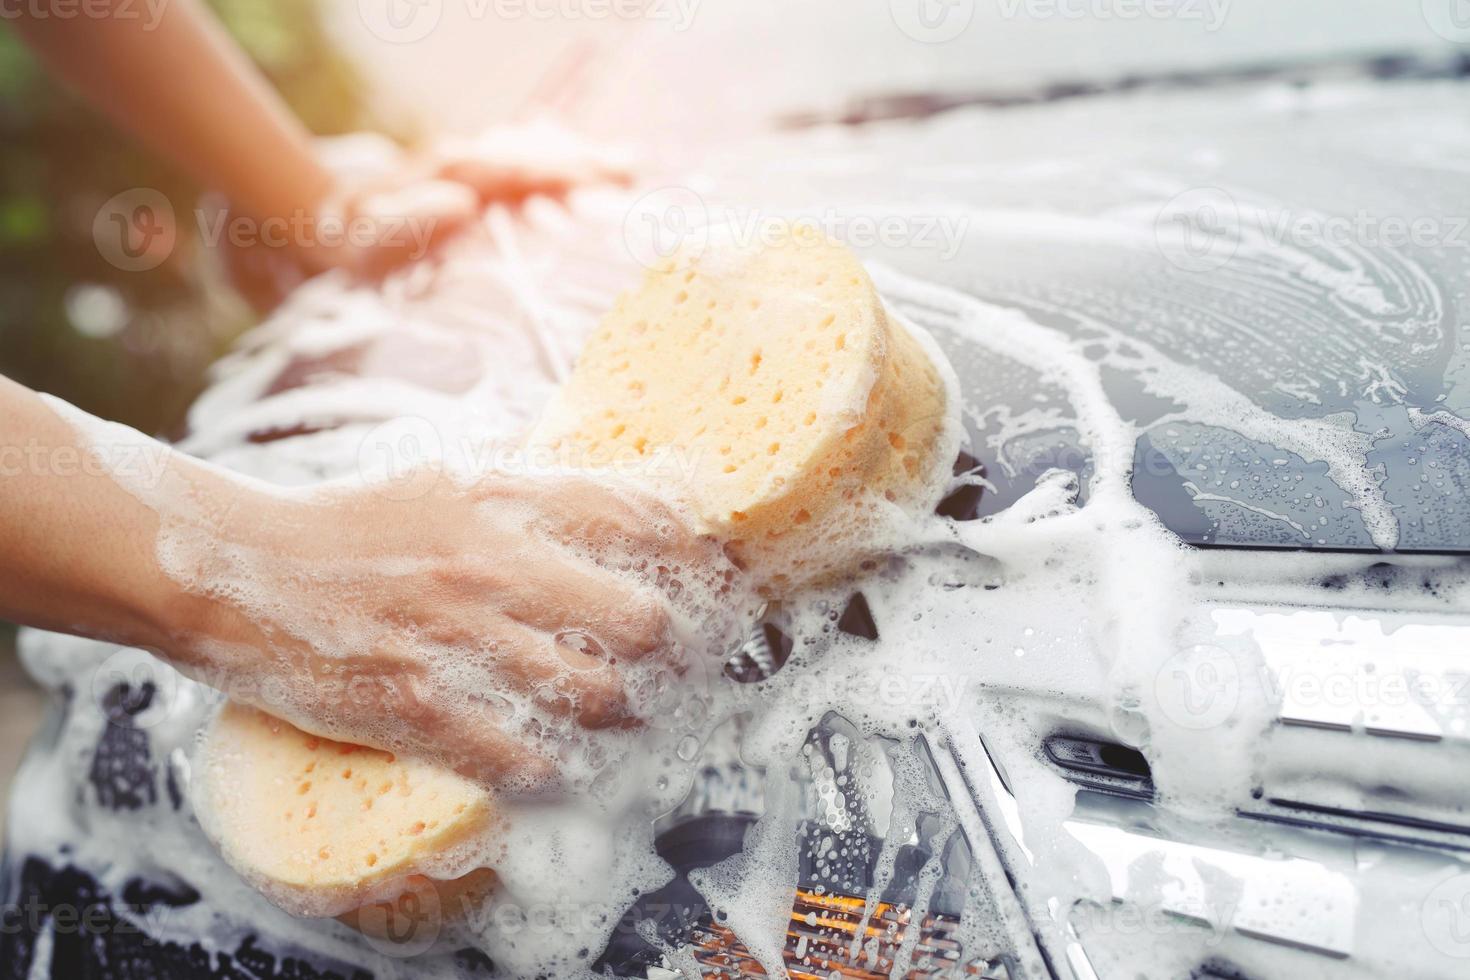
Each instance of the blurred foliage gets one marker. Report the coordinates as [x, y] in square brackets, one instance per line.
[131, 346]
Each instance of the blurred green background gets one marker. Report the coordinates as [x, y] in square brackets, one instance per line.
[130, 346]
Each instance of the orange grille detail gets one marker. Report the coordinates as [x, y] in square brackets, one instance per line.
[820, 943]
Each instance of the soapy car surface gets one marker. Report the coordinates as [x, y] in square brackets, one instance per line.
[1291, 394]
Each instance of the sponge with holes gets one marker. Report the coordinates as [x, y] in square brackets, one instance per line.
[773, 383]
[323, 826]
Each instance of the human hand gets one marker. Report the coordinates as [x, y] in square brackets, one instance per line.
[388, 208]
[479, 625]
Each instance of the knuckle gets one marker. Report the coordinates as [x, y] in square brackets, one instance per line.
[647, 622]
[602, 708]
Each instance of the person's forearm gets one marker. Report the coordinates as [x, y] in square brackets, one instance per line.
[78, 537]
[397, 615]
[183, 88]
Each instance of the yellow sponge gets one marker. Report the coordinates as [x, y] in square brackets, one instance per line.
[317, 823]
[790, 401]
[770, 378]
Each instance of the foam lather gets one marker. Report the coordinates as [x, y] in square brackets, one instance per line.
[789, 409]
